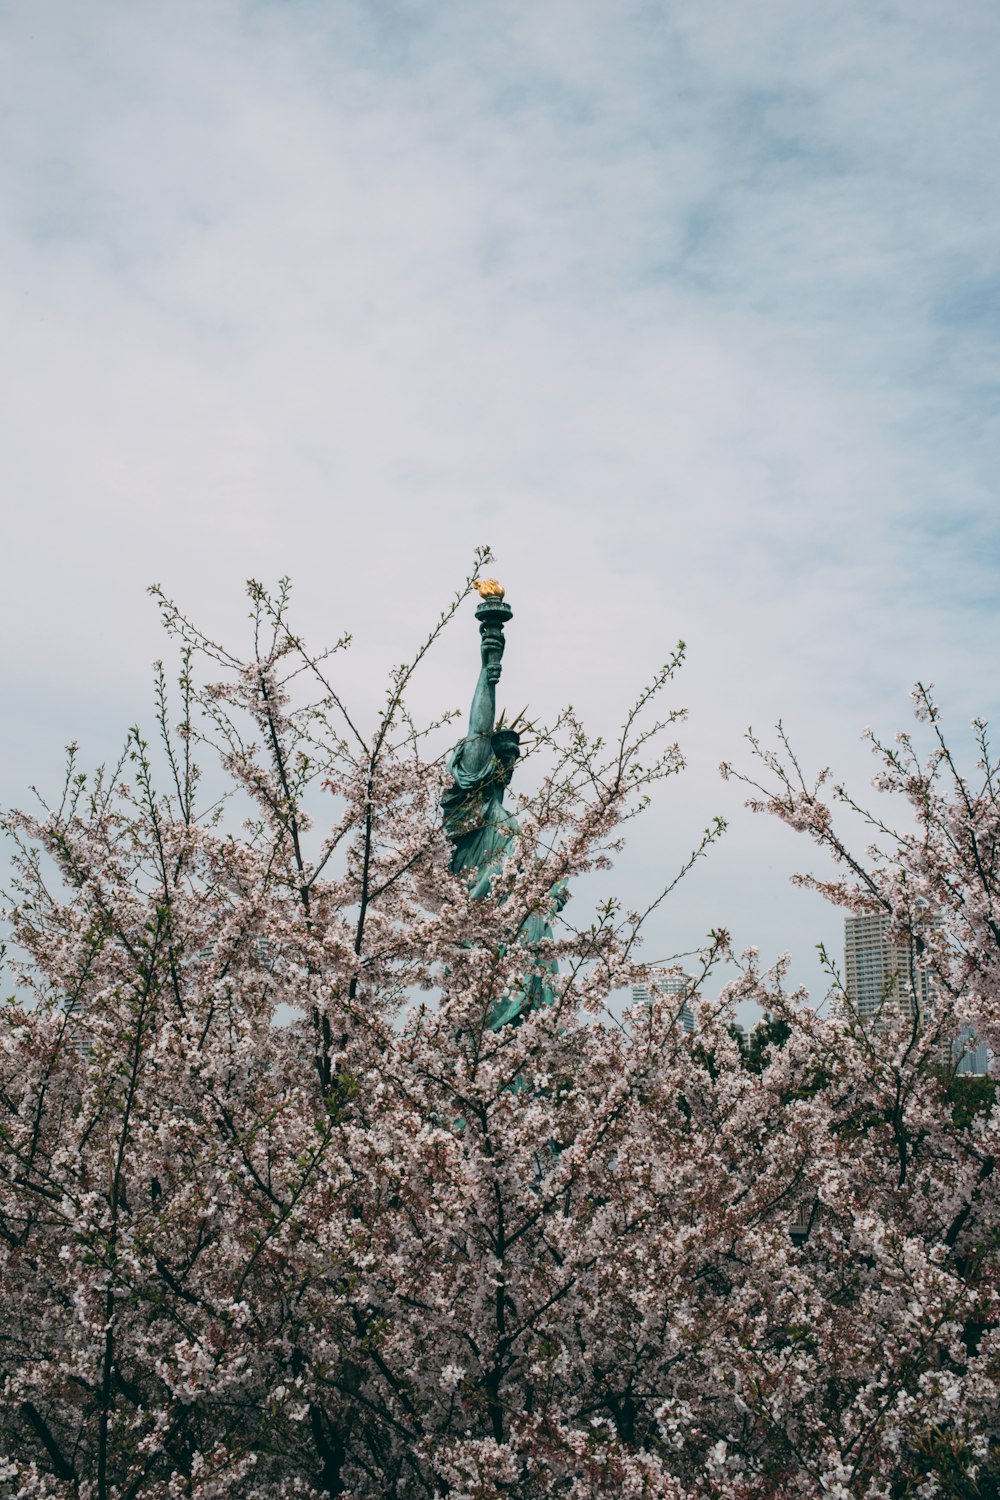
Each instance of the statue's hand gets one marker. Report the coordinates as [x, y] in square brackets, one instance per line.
[491, 647]
[493, 670]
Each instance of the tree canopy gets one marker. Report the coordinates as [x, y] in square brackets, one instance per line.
[386, 1250]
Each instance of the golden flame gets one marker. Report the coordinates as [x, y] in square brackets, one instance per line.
[488, 588]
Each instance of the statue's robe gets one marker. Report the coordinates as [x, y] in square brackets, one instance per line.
[482, 832]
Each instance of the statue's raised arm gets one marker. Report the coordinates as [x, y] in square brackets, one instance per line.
[481, 829]
[482, 718]
[481, 765]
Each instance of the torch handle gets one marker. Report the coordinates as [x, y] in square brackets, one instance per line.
[493, 615]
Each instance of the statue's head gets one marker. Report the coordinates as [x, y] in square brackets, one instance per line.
[506, 748]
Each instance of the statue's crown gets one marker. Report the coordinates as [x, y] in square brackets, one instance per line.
[507, 739]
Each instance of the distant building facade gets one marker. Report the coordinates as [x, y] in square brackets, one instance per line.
[882, 975]
[666, 983]
[970, 1056]
[879, 973]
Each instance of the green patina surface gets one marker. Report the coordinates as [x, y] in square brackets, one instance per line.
[480, 827]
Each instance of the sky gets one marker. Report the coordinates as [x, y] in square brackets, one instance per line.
[689, 310]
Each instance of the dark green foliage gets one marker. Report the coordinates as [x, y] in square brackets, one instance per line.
[970, 1096]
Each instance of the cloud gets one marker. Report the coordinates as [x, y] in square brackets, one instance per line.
[689, 309]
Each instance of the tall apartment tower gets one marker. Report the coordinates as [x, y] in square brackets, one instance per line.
[970, 1056]
[668, 984]
[878, 975]
[877, 971]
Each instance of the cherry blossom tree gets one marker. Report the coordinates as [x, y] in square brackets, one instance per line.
[912, 1176]
[388, 1250]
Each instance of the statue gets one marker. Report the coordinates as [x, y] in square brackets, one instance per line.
[481, 829]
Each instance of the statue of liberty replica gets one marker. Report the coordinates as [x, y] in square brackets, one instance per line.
[481, 829]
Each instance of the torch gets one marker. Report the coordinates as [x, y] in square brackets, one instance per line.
[492, 612]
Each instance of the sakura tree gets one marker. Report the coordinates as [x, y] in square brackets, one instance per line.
[912, 1176]
[391, 1249]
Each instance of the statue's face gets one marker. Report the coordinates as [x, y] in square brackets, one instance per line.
[507, 764]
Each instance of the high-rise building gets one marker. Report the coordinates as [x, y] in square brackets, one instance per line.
[879, 973]
[970, 1056]
[666, 983]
